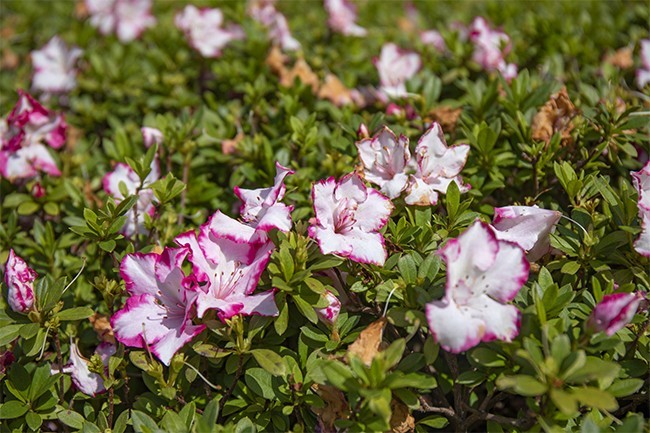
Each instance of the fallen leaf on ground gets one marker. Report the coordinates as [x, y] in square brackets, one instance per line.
[366, 346]
[276, 60]
[229, 146]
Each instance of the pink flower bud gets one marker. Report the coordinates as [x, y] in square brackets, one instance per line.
[614, 312]
[151, 136]
[362, 132]
[38, 191]
[330, 313]
[20, 280]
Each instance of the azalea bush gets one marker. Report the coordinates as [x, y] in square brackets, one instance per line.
[264, 216]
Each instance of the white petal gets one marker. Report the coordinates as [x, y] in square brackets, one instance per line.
[454, 329]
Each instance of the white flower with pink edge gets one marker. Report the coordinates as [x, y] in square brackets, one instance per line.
[483, 275]
[343, 17]
[126, 18]
[395, 66]
[437, 167]
[158, 313]
[203, 29]
[54, 67]
[348, 219]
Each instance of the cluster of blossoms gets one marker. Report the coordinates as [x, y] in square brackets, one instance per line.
[227, 258]
[641, 180]
[203, 29]
[643, 73]
[491, 47]
[387, 163]
[25, 136]
[54, 67]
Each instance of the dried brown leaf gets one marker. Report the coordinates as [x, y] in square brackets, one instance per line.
[336, 92]
[81, 10]
[303, 72]
[621, 58]
[102, 327]
[229, 146]
[9, 59]
[336, 407]
[401, 420]
[555, 117]
[276, 60]
[366, 346]
[447, 117]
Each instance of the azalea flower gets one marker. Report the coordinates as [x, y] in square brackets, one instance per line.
[262, 206]
[329, 314]
[19, 278]
[614, 312]
[348, 218]
[435, 39]
[202, 27]
[86, 381]
[527, 226]
[228, 272]
[22, 136]
[157, 314]
[151, 136]
[264, 12]
[483, 275]
[643, 73]
[490, 48]
[124, 178]
[342, 18]
[641, 180]
[54, 67]
[437, 167]
[395, 66]
[126, 18]
[386, 160]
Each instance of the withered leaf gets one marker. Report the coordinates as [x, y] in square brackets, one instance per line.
[555, 117]
[366, 346]
[303, 72]
[276, 60]
[102, 327]
[336, 92]
[336, 407]
[621, 58]
[447, 117]
[401, 420]
[229, 146]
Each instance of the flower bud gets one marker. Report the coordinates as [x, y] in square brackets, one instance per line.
[614, 312]
[330, 313]
[20, 281]
[362, 132]
[38, 191]
[151, 136]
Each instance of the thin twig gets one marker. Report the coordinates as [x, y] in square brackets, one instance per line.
[59, 359]
[224, 399]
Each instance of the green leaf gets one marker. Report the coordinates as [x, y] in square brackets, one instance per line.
[565, 401]
[429, 267]
[108, 245]
[27, 208]
[76, 313]
[407, 268]
[325, 262]
[393, 354]
[142, 423]
[596, 398]
[487, 357]
[434, 421]
[71, 419]
[522, 384]
[260, 382]
[270, 361]
[625, 387]
[13, 409]
[570, 268]
[281, 323]
[452, 200]
[9, 333]
[245, 425]
[171, 422]
[34, 420]
[209, 417]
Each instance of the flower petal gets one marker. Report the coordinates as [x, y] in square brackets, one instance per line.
[174, 340]
[454, 329]
[500, 321]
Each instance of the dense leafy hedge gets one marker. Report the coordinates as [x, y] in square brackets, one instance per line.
[138, 295]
